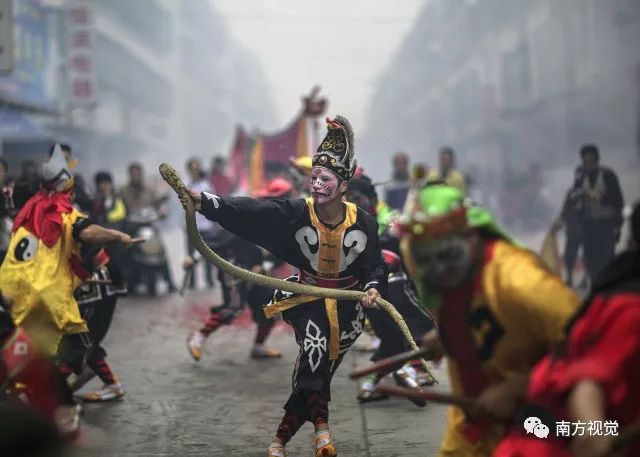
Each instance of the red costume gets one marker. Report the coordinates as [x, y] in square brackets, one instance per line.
[603, 346]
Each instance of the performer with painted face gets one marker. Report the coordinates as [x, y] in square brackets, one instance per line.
[500, 310]
[335, 245]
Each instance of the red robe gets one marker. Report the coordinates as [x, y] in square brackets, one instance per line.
[603, 346]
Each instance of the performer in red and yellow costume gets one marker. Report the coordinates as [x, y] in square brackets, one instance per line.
[500, 310]
[43, 265]
[593, 378]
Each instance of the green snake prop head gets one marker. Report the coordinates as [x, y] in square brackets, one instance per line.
[171, 176]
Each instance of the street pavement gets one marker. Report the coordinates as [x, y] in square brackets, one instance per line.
[228, 404]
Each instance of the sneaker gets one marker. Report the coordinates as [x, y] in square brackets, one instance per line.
[107, 393]
[324, 444]
[194, 345]
[261, 352]
[276, 450]
[67, 420]
[368, 392]
[406, 377]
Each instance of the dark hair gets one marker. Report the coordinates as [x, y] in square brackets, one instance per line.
[4, 164]
[28, 164]
[135, 166]
[64, 146]
[103, 176]
[590, 150]
[364, 186]
[193, 160]
[448, 150]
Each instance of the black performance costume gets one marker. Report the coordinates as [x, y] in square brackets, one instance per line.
[346, 256]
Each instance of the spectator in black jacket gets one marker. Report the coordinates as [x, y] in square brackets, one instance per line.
[596, 197]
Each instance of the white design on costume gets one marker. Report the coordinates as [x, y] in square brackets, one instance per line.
[306, 237]
[21, 348]
[314, 344]
[355, 241]
[356, 326]
[213, 199]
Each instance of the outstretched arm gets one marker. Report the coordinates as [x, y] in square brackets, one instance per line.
[95, 234]
[261, 222]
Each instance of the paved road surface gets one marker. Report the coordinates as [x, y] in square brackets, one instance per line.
[227, 404]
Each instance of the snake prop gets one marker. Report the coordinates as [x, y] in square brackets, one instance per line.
[170, 175]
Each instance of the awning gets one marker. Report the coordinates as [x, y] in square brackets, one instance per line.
[15, 126]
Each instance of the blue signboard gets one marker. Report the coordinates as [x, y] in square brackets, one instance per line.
[26, 84]
[16, 126]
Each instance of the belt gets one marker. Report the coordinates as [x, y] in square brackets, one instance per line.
[331, 306]
[348, 282]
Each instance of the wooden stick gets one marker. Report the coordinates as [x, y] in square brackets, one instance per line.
[390, 364]
[468, 405]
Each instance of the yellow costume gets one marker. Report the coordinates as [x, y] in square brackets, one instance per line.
[39, 280]
[503, 313]
[518, 314]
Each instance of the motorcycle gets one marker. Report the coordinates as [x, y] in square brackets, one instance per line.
[149, 259]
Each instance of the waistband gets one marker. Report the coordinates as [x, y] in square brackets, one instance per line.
[348, 282]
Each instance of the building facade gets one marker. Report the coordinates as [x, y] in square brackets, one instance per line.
[150, 80]
[508, 83]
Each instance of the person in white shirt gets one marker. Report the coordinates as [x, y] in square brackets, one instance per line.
[197, 180]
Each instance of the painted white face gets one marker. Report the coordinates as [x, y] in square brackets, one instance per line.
[444, 263]
[323, 185]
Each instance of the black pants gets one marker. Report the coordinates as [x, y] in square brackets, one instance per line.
[235, 295]
[74, 351]
[573, 241]
[98, 316]
[599, 243]
[402, 295]
[313, 370]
